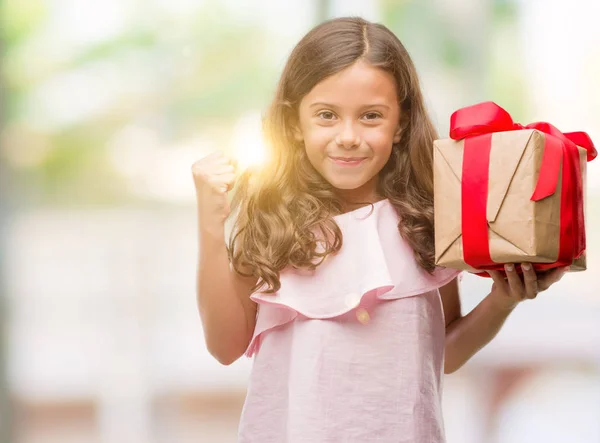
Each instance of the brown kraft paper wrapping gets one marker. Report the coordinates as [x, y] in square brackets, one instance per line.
[520, 230]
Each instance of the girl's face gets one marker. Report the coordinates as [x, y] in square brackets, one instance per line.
[348, 123]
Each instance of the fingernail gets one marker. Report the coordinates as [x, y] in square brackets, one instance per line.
[509, 267]
[526, 266]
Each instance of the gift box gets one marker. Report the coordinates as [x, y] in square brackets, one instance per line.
[508, 193]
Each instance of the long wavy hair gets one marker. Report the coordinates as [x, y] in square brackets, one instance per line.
[284, 211]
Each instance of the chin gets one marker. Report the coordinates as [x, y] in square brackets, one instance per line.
[346, 185]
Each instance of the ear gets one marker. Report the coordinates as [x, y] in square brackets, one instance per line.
[398, 134]
[297, 133]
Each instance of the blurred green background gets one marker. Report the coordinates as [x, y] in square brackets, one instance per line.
[106, 104]
[92, 87]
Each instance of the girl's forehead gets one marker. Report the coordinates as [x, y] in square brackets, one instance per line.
[359, 82]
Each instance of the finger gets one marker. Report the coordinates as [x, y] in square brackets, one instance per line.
[224, 169]
[219, 161]
[551, 277]
[204, 168]
[514, 282]
[498, 278]
[228, 178]
[220, 188]
[531, 280]
[222, 183]
[197, 167]
[205, 171]
[215, 157]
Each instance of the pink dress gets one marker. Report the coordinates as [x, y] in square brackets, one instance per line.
[354, 351]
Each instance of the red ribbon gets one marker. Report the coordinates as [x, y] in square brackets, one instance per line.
[476, 124]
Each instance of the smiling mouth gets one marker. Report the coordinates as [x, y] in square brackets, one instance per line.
[347, 161]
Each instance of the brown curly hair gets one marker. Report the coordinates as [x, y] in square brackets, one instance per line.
[284, 210]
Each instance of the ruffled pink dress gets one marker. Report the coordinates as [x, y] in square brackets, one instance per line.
[353, 351]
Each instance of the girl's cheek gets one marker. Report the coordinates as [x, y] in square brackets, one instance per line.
[378, 137]
[318, 135]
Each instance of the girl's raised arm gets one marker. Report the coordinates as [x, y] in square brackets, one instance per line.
[227, 313]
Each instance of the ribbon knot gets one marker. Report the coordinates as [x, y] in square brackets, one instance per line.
[476, 124]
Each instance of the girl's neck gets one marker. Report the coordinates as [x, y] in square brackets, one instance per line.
[352, 199]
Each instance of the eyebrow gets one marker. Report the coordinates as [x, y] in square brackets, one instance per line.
[331, 105]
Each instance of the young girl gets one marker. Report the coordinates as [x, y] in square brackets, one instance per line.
[329, 279]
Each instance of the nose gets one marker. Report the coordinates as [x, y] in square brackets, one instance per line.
[348, 137]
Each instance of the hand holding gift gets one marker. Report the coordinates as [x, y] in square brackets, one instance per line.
[507, 292]
[508, 193]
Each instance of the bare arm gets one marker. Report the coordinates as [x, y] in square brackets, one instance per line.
[465, 336]
[227, 313]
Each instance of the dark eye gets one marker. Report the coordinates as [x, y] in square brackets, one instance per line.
[326, 115]
[372, 115]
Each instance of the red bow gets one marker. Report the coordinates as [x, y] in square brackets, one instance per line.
[476, 124]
